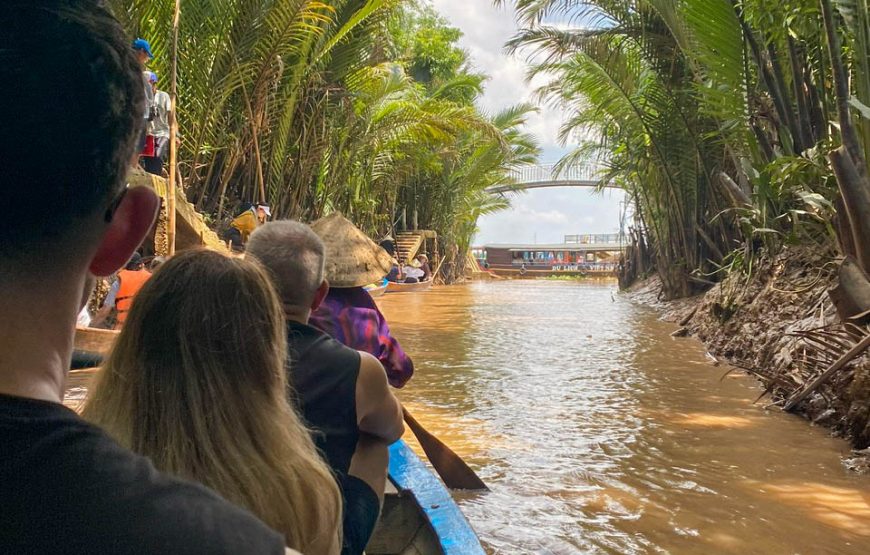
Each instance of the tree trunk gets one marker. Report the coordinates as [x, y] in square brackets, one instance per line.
[856, 197]
[852, 294]
[735, 195]
[803, 109]
[841, 88]
[843, 227]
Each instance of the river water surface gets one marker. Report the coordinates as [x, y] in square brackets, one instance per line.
[599, 433]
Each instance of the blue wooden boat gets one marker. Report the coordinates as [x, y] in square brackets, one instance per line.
[419, 516]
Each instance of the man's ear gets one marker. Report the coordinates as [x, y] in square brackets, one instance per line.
[131, 221]
[320, 295]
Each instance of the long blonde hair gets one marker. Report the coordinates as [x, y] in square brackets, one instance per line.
[197, 383]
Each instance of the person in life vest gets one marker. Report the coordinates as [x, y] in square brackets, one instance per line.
[245, 223]
[121, 293]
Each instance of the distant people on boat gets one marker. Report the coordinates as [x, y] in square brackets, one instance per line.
[423, 259]
[412, 272]
[395, 273]
[250, 218]
[342, 393]
[156, 262]
[348, 313]
[72, 117]
[122, 292]
[196, 383]
[161, 107]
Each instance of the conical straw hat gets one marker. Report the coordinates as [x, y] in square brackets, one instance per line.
[352, 259]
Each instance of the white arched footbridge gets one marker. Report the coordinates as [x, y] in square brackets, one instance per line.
[546, 175]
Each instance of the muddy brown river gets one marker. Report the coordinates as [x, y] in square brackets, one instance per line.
[599, 433]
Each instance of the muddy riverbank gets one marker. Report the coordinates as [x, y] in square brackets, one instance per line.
[779, 325]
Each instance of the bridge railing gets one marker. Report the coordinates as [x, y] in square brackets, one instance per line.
[594, 238]
[547, 172]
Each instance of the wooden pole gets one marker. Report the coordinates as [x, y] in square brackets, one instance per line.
[173, 133]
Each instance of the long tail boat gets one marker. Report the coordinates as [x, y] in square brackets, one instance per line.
[419, 516]
[393, 287]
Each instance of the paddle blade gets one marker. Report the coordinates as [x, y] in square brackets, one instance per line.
[450, 466]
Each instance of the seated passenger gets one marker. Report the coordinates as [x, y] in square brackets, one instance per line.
[342, 393]
[424, 266]
[250, 217]
[196, 383]
[348, 313]
[394, 274]
[71, 122]
[412, 272]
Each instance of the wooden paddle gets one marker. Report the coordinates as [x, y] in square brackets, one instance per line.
[450, 466]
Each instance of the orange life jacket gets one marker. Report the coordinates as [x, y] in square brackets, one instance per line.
[131, 282]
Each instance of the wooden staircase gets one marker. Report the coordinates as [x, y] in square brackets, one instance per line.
[408, 245]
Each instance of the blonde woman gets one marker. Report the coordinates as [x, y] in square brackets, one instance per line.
[196, 382]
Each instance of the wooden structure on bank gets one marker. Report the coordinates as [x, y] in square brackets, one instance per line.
[191, 231]
[411, 243]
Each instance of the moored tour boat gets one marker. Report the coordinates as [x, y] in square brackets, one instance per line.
[419, 516]
[393, 287]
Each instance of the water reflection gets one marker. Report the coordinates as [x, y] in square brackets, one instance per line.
[598, 433]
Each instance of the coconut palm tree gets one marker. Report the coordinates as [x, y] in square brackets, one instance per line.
[712, 113]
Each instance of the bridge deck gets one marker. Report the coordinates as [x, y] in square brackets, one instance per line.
[548, 175]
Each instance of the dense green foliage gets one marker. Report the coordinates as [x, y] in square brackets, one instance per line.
[715, 116]
[363, 106]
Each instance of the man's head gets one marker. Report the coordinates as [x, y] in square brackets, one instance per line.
[135, 263]
[295, 257]
[143, 51]
[263, 212]
[70, 126]
[152, 78]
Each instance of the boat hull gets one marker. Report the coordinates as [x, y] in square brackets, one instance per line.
[393, 287]
[419, 516]
[377, 291]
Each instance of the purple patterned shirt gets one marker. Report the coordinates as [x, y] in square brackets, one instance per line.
[350, 315]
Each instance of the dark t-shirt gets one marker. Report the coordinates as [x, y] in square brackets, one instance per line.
[322, 377]
[66, 487]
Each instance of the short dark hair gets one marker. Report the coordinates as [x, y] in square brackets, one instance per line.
[295, 257]
[72, 111]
